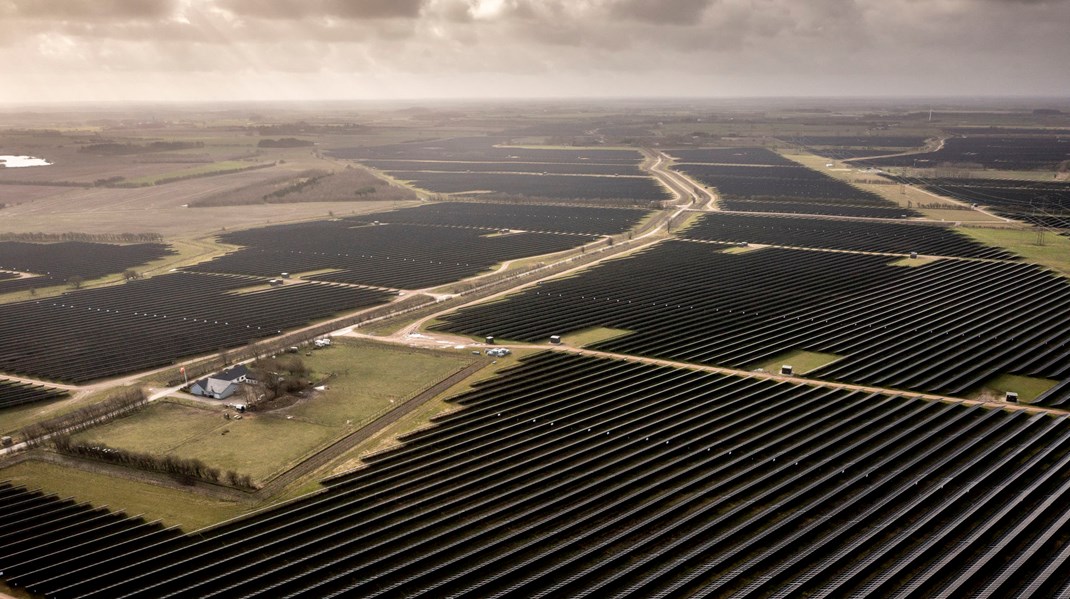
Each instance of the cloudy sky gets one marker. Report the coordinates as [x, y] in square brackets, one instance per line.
[62, 50]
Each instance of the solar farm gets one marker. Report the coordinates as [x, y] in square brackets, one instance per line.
[763, 181]
[490, 167]
[697, 363]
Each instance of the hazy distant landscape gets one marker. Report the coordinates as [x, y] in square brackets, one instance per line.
[535, 298]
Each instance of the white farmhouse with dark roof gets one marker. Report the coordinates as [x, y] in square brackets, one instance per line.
[222, 384]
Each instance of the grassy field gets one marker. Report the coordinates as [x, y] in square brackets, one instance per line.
[741, 249]
[1028, 388]
[586, 337]
[368, 380]
[800, 361]
[172, 506]
[911, 262]
[212, 168]
[1055, 253]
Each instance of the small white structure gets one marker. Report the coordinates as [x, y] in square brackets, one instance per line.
[321, 343]
[498, 352]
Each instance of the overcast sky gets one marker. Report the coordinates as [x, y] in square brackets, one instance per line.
[63, 50]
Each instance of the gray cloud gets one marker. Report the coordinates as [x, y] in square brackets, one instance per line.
[676, 12]
[344, 9]
[382, 48]
[94, 11]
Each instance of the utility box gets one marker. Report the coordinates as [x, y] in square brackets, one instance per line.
[913, 254]
[490, 339]
[555, 339]
[6, 441]
[786, 370]
[1011, 397]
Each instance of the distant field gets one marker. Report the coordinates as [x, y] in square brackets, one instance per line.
[348, 185]
[162, 209]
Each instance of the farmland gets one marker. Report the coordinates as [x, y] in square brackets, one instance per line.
[347, 185]
[930, 328]
[361, 381]
[97, 333]
[383, 255]
[570, 475]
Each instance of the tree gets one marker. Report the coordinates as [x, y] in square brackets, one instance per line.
[75, 282]
[131, 274]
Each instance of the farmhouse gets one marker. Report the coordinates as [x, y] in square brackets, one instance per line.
[220, 385]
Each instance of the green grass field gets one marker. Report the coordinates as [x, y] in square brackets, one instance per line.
[586, 337]
[172, 506]
[1055, 253]
[800, 361]
[368, 380]
[1028, 388]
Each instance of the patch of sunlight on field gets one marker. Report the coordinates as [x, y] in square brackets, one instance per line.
[920, 261]
[585, 337]
[172, 506]
[1054, 253]
[800, 361]
[1028, 388]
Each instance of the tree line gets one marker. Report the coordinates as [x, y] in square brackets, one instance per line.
[122, 402]
[185, 470]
